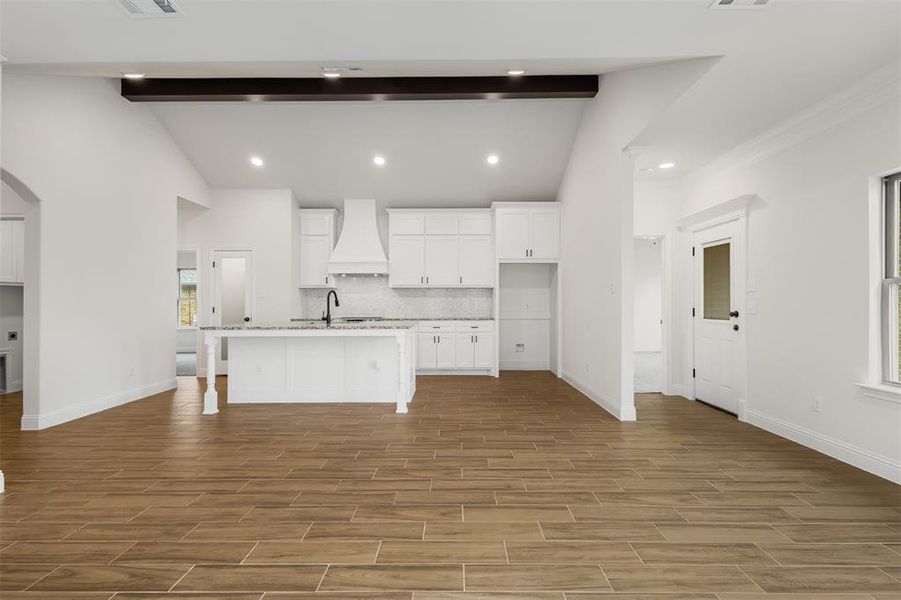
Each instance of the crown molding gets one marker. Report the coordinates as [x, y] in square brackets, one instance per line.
[879, 87]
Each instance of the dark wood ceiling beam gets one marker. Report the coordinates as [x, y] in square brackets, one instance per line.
[359, 88]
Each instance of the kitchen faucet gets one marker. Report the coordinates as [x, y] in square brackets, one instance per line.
[328, 306]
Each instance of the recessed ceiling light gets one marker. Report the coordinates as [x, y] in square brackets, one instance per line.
[516, 72]
[133, 75]
[331, 74]
[667, 165]
[256, 161]
[379, 160]
[492, 159]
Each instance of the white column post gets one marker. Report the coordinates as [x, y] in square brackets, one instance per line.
[2, 483]
[210, 398]
[402, 372]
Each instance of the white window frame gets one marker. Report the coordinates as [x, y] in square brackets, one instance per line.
[891, 279]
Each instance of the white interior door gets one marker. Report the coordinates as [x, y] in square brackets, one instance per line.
[232, 293]
[718, 323]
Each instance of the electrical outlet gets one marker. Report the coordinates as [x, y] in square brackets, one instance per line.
[520, 347]
[817, 404]
[12, 336]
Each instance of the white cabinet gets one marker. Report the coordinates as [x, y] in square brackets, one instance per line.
[456, 346]
[476, 261]
[440, 248]
[442, 260]
[406, 263]
[527, 231]
[435, 351]
[12, 251]
[317, 239]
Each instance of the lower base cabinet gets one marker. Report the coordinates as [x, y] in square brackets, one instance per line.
[460, 345]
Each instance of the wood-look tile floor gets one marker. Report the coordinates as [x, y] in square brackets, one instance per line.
[489, 489]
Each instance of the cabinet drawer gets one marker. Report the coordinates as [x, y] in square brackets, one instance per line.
[475, 326]
[442, 224]
[436, 326]
[400, 224]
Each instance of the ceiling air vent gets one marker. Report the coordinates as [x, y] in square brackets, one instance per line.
[150, 8]
[739, 3]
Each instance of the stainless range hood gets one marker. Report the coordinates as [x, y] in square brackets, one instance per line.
[359, 249]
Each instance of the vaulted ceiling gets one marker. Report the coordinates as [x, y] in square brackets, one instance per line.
[773, 62]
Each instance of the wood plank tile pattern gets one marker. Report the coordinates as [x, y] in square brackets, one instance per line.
[517, 488]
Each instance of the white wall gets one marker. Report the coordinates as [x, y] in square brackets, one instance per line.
[107, 176]
[526, 295]
[809, 255]
[597, 199]
[258, 220]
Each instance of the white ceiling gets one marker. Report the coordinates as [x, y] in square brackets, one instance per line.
[435, 151]
[775, 62]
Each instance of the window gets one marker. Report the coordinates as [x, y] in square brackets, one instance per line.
[891, 298]
[187, 297]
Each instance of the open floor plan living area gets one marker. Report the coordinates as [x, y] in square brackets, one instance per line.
[450, 300]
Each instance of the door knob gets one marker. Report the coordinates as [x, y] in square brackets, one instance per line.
[246, 319]
[735, 328]
[733, 313]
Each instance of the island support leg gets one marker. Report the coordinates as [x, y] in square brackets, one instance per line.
[401, 373]
[210, 398]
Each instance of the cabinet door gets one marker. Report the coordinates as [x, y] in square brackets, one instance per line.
[406, 260]
[512, 233]
[442, 260]
[426, 351]
[464, 350]
[476, 261]
[315, 223]
[7, 251]
[545, 234]
[447, 352]
[314, 254]
[483, 351]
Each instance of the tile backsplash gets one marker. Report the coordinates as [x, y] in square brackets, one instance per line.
[366, 296]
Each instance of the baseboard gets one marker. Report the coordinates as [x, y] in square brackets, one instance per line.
[525, 365]
[678, 389]
[623, 413]
[847, 453]
[13, 386]
[482, 372]
[70, 413]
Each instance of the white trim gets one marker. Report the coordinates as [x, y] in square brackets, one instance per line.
[877, 88]
[70, 413]
[623, 413]
[2, 483]
[718, 214]
[526, 365]
[886, 393]
[871, 462]
[467, 372]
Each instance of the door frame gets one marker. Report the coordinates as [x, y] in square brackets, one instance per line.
[739, 267]
[666, 307]
[198, 342]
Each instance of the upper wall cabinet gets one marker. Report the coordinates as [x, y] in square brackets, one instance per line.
[527, 232]
[440, 248]
[317, 239]
[12, 251]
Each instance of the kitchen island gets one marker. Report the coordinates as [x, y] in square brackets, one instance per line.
[309, 361]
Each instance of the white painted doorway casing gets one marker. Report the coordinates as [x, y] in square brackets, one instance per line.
[232, 285]
[719, 317]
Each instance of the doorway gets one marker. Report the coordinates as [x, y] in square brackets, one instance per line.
[718, 322]
[648, 313]
[232, 294]
[186, 308]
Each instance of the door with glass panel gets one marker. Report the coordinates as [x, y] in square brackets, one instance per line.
[232, 294]
[717, 321]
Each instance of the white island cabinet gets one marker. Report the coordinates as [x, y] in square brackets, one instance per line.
[309, 362]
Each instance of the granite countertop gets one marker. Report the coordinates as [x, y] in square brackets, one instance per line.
[404, 320]
[315, 325]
